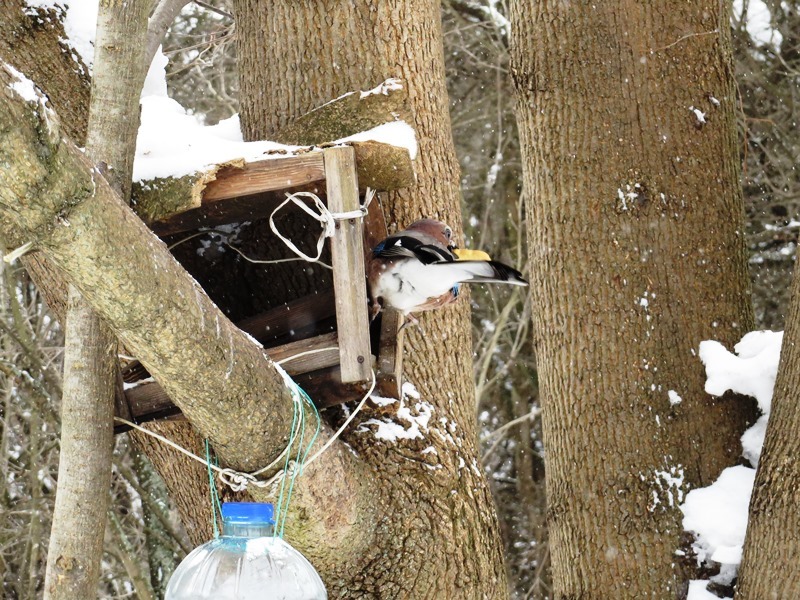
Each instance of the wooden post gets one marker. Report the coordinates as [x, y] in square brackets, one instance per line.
[390, 354]
[347, 258]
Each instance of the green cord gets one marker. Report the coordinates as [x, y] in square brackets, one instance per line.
[216, 508]
[300, 458]
[298, 466]
[316, 432]
[281, 507]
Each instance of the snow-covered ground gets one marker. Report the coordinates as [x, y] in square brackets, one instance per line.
[717, 514]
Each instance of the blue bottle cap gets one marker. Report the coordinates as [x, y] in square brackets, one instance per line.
[248, 512]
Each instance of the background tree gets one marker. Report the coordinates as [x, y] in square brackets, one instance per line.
[636, 256]
[772, 548]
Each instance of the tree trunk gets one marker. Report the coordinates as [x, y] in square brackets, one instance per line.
[297, 56]
[772, 546]
[84, 468]
[30, 40]
[90, 361]
[635, 229]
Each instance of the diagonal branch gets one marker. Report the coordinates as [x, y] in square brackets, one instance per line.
[50, 195]
[163, 16]
[224, 383]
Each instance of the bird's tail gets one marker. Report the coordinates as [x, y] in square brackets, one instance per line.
[487, 271]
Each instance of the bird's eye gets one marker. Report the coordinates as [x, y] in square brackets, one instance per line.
[448, 232]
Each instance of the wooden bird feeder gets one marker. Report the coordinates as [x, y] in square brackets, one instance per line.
[249, 191]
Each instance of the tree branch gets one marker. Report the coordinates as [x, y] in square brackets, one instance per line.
[51, 195]
[87, 407]
[163, 17]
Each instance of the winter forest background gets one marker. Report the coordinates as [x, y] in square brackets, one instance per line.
[144, 540]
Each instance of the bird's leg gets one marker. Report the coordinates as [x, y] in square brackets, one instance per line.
[411, 320]
[375, 308]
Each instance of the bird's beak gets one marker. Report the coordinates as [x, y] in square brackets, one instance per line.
[467, 254]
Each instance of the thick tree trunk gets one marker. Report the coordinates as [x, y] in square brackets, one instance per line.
[90, 361]
[626, 117]
[769, 568]
[30, 40]
[293, 58]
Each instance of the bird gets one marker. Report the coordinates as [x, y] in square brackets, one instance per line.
[421, 268]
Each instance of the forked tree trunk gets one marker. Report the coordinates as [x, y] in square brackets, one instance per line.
[295, 56]
[635, 229]
[769, 568]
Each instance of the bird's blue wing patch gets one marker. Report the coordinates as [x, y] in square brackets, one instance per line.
[455, 290]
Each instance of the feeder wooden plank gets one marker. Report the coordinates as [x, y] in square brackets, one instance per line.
[390, 354]
[374, 227]
[326, 354]
[347, 260]
[265, 176]
[326, 389]
[296, 315]
[252, 190]
[148, 401]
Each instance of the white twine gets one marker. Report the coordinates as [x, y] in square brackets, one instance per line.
[239, 481]
[325, 217]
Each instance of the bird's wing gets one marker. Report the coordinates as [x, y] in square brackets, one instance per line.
[399, 246]
[481, 271]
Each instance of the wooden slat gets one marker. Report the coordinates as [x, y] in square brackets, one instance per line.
[374, 227]
[390, 354]
[326, 354]
[293, 316]
[347, 260]
[390, 340]
[148, 401]
[325, 387]
[265, 176]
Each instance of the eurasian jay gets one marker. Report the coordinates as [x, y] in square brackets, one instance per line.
[419, 269]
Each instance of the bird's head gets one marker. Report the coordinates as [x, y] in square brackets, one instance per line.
[441, 231]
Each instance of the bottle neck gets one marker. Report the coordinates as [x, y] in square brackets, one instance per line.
[247, 530]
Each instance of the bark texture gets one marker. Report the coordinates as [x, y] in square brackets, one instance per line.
[772, 546]
[52, 197]
[635, 229]
[84, 468]
[31, 41]
[436, 534]
[87, 407]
